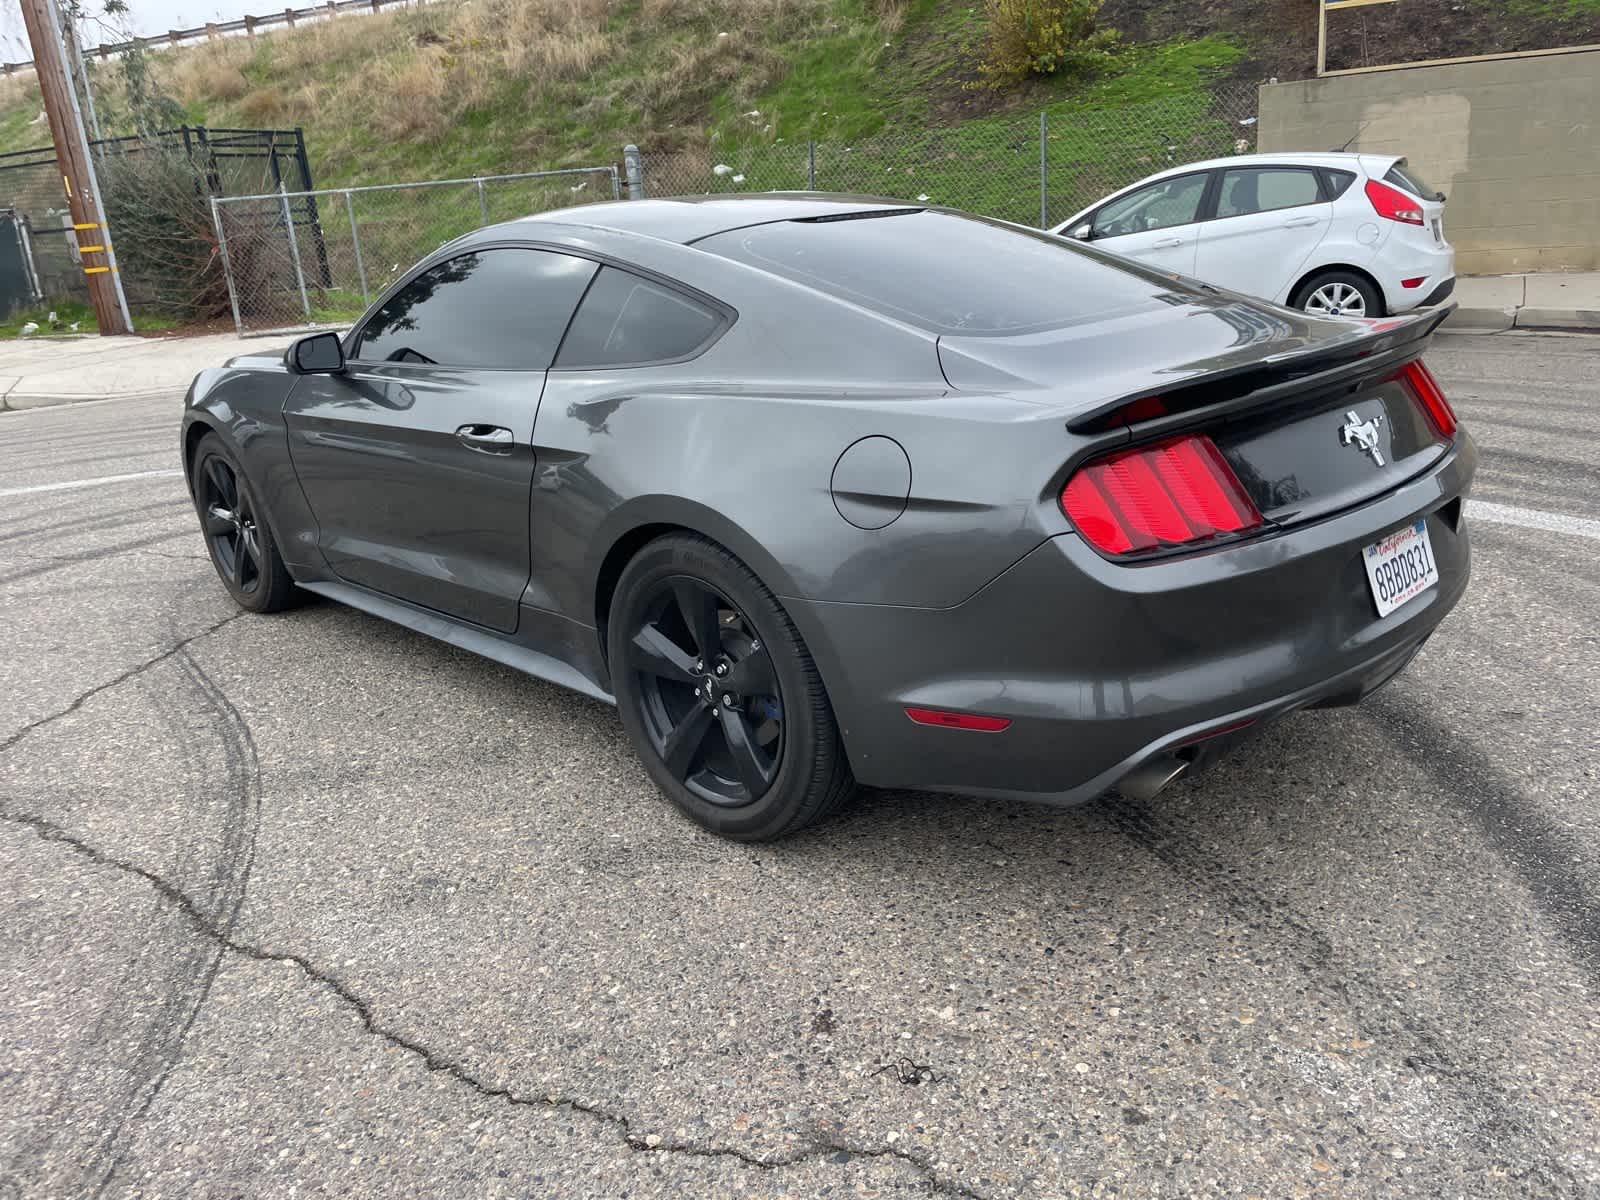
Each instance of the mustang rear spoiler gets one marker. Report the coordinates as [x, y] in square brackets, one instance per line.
[1387, 342]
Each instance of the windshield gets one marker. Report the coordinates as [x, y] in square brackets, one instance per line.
[945, 273]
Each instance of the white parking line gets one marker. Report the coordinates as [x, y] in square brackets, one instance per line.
[1532, 518]
[99, 480]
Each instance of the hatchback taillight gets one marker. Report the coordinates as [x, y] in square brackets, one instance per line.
[1416, 376]
[1172, 493]
[1393, 203]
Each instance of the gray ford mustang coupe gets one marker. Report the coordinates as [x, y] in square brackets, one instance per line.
[824, 490]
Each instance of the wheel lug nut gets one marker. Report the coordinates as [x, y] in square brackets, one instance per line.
[727, 702]
[722, 668]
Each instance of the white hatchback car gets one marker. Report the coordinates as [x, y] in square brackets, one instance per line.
[1352, 234]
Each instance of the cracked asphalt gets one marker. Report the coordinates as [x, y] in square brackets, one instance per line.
[309, 905]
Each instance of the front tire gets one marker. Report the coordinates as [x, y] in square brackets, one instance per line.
[236, 532]
[1338, 294]
[719, 695]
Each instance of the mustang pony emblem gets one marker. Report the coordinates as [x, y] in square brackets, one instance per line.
[1364, 434]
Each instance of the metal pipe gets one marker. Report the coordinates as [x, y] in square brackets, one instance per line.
[355, 244]
[227, 266]
[294, 250]
[1044, 179]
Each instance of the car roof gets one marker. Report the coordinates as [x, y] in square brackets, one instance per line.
[687, 219]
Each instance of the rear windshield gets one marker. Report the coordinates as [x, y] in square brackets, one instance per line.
[1403, 176]
[944, 273]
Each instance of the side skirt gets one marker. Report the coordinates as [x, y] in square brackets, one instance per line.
[467, 637]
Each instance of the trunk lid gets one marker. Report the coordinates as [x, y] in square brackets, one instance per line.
[1312, 415]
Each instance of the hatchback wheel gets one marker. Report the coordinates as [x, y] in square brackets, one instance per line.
[719, 694]
[1338, 294]
[237, 536]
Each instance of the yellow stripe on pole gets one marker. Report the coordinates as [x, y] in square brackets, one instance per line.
[67, 186]
[1335, 5]
[90, 224]
[95, 270]
[90, 249]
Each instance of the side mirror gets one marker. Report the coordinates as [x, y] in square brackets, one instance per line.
[1084, 232]
[318, 354]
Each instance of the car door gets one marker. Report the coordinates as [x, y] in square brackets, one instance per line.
[417, 461]
[1268, 221]
[1156, 224]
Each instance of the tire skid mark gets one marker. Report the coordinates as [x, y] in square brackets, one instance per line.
[181, 973]
[1352, 987]
[1536, 849]
[119, 519]
[934, 1177]
[63, 561]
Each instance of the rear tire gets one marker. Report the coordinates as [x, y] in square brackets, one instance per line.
[719, 695]
[236, 532]
[1338, 293]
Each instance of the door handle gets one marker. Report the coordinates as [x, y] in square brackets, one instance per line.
[1302, 222]
[1167, 243]
[486, 439]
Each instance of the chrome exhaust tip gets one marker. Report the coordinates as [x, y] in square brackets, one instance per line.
[1147, 781]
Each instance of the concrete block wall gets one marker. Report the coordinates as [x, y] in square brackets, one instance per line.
[1513, 142]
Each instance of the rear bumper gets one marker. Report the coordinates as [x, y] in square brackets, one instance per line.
[1101, 667]
[1414, 255]
[1440, 294]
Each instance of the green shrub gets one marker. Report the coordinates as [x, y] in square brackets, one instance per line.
[1043, 37]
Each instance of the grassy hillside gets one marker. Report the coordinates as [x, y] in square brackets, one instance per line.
[483, 86]
[500, 85]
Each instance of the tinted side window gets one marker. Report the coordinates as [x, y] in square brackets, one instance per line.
[625, 321]
[1159, 206]
[492, 309]
[1262, 189]
[1338, 181]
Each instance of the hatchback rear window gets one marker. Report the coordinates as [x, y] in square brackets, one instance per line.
[944, 273]
[1403, 176]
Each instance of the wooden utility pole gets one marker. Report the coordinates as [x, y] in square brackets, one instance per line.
[77, 168]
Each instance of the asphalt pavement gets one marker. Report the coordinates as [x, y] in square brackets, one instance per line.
[310, 905]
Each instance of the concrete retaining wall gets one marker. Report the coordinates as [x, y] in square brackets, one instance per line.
[1513, 142]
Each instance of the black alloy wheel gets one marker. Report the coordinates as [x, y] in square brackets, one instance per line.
[230, 525]
[712, 706]
[238, 537]
[719, 694]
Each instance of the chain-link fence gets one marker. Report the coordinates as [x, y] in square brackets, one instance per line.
[294, 259]
[1038, 169]
[156, 189]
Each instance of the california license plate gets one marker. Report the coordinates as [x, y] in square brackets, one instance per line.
[1400, 567]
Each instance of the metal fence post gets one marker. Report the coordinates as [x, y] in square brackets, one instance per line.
[294, 249]
[811, 166]
[616, 183]
[227, 266]
[635, 167]
[1044, 178]
[483, 202]
[355, 244]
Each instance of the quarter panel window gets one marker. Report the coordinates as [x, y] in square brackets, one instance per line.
[1247, 190]
[502, 309]
[1159, 206]
[626, 320]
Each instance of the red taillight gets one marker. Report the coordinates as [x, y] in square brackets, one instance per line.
[1414, 283]
[1425, 387]
[1170, 493]
[1393, 203]
[957, 720]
